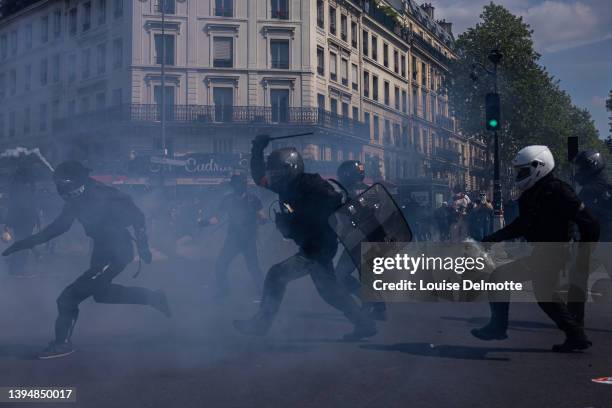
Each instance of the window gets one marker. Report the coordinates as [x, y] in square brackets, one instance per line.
[423, 74]
[343, 27]
[386, 93]
[86, 16]
[1, 125]
[354, 34]
[344, 71]
[365, 42]
[280, 9]
[332, 20]
[376, 127]
[55, 107]
[387, 134]
[355, 77]
[321, 101]
[42, 117]
[57, 23]
[397, 98]
[86, 63]
[366, 84]
[414, 101]
[118, 8]
[2, 86]
[396, 133]
[224, 8]
[320, 14]
[333, 106]
[403, 66]
[223, 99]
[386, 55]
[26, 120]
[28, 36]
[280, 54]
[72, 21]
[101, 12]
[12, 120]
[414, 69]
[14, 42]
[117, 97]
[280, 104]
[3, 46]
[55, 68]
[223, 52]
[396, 61]
[43, 71]
[355, 113]
[374, 47]
[117, 53]
[424, 104]
[164, 49]
[13, 81]
[100, 100]
[320, 61]
[27, 81]
[71, 67]
[101, 59]
[345, 109]
[404, 101]
[167, 6]
[366, 120]
[333, 70]
[167, 102]
[375, 87]
[85, 104]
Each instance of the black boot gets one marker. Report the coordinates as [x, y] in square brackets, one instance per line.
[497, 326]
[574, 341]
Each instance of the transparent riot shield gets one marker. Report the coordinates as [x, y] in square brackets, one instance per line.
[373, 216]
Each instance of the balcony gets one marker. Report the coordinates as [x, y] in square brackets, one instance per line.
[212, 115]
[445, 123]
[421, 43]
[449, 155]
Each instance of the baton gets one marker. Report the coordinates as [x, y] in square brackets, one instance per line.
[290, 136]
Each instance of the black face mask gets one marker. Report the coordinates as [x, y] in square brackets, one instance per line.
[70, 189]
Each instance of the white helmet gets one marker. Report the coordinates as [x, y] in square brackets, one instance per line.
[531, 164]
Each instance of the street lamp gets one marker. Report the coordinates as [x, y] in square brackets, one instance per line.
[162, 5]
[493, 123]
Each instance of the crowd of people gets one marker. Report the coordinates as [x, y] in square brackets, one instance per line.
[549, 210]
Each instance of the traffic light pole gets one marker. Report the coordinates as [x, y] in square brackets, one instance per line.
[498, 210]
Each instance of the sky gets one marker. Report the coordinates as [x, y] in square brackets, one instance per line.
[573, 37]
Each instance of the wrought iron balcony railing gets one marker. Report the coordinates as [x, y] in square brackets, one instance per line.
[449, 155]
[445, 122]
[210, 114]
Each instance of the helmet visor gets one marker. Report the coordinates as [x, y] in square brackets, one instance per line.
[522, 172]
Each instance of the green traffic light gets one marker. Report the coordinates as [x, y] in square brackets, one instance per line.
[493, 123]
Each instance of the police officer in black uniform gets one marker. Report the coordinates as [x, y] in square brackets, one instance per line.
[547, 208]
[105, 214]
[351, 174]
[244, 212]
[307, 200]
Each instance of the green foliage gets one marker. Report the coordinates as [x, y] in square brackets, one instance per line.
[609, 108]
[534, 109]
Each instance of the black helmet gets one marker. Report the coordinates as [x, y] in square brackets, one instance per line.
[589, 163]
[70, 178]
[238, 182]
[283, 166]
[351, 172]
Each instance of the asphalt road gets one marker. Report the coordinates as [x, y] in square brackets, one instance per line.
[424, 356]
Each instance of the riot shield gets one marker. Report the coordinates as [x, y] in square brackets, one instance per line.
[373, 216]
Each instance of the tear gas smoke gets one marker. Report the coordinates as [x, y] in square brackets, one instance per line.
[23, 151]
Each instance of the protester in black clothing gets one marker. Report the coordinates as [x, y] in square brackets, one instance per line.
[596, 192]
[547, 207]
[306, 201]
[244, 213]
[105, 214]
[351, 174]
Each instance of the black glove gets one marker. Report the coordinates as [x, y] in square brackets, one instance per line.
[142, 244]
[16, 247]
[261, 142]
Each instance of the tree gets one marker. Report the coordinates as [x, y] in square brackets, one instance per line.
[534, 109]
[609, 108]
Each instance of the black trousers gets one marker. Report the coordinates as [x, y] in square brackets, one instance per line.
[322, 275]
[232, 247]
[543, 269]
[109, 258]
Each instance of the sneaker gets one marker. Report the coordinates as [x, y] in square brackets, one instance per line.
[55, 350]
[489, 332]
[573, 343]
[160, 303]
[251, 327]
[361, 332]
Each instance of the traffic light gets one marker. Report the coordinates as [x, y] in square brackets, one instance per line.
[493, 111]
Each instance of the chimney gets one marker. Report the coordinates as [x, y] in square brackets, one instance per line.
[429, 9]
[446, 26]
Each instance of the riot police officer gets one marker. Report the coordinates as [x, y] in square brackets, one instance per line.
[105, 214]
[306, 200]
[351, 174]
[547, 207]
